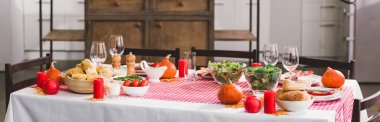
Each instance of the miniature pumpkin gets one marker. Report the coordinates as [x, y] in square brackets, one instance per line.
[333, 78]
[54, 73]
[229, 93]
[171, 69]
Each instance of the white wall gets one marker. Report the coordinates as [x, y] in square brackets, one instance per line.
[5, 33]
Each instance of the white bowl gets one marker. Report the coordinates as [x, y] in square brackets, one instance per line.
[295, 106]
[135, 91]
[154, 73]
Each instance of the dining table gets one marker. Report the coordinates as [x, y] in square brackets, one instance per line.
[175, 101]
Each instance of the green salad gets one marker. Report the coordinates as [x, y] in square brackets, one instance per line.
[263, 78]
[129, 78]
[225, 71]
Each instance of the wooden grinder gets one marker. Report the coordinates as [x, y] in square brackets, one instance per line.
[131, 60]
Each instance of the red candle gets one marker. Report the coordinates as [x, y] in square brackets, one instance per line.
[41, 78]
[98, 88]
[269, 102]
[182, 67]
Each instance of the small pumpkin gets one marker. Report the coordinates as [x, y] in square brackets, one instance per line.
[54, 73]
[230, 93]
[171, 68]
[333, 78]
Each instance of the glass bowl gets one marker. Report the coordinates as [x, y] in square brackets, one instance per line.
[259, 82]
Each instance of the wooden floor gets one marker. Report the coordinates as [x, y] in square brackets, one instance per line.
[367, 89]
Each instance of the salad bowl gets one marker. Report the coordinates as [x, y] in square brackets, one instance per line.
[226, 71]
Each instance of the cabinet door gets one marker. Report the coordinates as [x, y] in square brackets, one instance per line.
[330, 41]
[224, 14]
[183, 34]
[132, 32]
[116, 5]
[181, 5]
[311, 39]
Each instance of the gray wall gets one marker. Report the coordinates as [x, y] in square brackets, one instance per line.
[367, 45]
[5, 33]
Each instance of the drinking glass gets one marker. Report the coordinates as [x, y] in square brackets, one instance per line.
[116, 45]
[290, 58]
[98, 52]
[270, 54]
[191, 66]
[112, 89]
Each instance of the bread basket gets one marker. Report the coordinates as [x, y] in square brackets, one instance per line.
[78, 86]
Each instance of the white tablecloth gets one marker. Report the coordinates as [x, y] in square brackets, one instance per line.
[27, 106]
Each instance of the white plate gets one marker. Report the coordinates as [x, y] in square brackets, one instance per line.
[335, 96]
[315, 79]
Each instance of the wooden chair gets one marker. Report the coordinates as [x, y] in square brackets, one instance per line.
[225, 53]
[368, 102]
[10, 86]
[349, 66]
[153, 52]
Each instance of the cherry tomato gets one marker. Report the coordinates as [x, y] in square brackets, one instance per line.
[135, 83]
[126, 83]
[143, 83]
[256, 65]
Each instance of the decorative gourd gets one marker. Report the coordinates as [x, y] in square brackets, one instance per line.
[130, 61]
[229, 94]
[171, 69]
[54, 73]
[333, 78]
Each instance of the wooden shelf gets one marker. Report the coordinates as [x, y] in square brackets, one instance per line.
[64, 35]
[233, 35]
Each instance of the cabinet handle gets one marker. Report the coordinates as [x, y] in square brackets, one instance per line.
[43, 20]
[117, 3]
[159, 25]
[327, 25]
[138, 25]
[219, 4]
[181, 4]
[80, 2]
[328, 6]
[80, 20]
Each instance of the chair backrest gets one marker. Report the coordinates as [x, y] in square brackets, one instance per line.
[366, 103]
[10, 86]
[153, 52]
[349, 66]
[226, 53]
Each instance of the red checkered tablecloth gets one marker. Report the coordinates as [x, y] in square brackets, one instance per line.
[205, 91]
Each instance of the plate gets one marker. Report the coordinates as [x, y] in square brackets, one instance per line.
[315, 79]
[199, 75]
[335, 96]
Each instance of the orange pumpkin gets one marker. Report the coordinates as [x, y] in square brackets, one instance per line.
[229, 94]
[171, 69]
[54, 73]
[333, 78]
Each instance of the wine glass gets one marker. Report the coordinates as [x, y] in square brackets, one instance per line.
[270, 54]
[290, 58]
[98, 52]
[116, 45]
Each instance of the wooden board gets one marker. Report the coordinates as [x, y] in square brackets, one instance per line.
[64, 35]
[231, 35]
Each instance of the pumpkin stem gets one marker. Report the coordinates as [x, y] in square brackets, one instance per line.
[130, 53]
[52, 63]
[168, 56]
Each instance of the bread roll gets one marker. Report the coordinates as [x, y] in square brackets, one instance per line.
[288, 85]
[296, 96]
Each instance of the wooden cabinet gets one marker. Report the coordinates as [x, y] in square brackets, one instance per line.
[152, 24]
